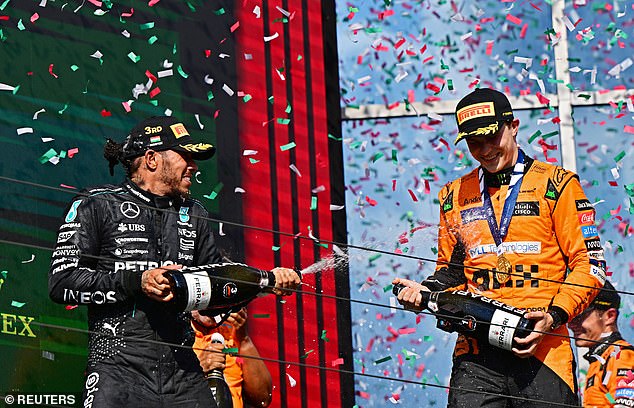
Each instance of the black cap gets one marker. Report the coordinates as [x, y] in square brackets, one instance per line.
[607, 298]
[482, 112]
[161, 133]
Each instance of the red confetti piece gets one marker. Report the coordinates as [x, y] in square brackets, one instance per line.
[4, 18]
[235, 26]
[70, 307]
[393, 185]
[489, 49]
[407, 330]
[523, 31]
[155, 92]
[411, 194]
[399, 43]
[50, 71]
[628, 129]
[151, 76]
[419, 370]
[542, 98]
[513, 19]
[105, 113]
[422, 50]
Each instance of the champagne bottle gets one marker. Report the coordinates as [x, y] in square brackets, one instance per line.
[218, 286]
[477, 316]
[216, 380]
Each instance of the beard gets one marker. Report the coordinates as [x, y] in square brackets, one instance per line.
[173, 182]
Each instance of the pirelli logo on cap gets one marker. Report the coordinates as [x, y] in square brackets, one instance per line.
[476, 110]
[179, 130]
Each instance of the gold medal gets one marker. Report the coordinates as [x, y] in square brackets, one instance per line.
[504, 269]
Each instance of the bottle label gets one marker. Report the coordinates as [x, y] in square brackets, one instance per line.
[502, 329]
[198, 290]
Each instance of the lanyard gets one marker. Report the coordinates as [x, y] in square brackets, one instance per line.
[499, 233]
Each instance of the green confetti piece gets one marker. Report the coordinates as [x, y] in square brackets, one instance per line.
[434, 250]
[174, 49]
[338, 139]
[15, 90]
[619, 156]
[211, 195]
[353, 106]
[551, 134]
[2, 36]
[610, 398]
[283, 121]
[47, 156]
[288, 108]
[428, 338]
[182, 72]
[275, 248]
[246, 98]
[313, 203]
[374, 257]
[253, 161]
[376, 157]
[155, 103]
[307, 354]
[135, 58]
[230, 350]
[450, 84]
[323, 336]
[21, 25]
[63, 109]
[382, 360]
[4, 274]
[15, 303]
[288, 146]
[261, 316]
[210, 96]
[388, 288]
[271, 99]
[4, 4]
[74, 67]
[146, 26]
[394, 156]
[152, 39]
[299, 58]
[62, 154]
[534, 136]
[323, 245]
[219, 12]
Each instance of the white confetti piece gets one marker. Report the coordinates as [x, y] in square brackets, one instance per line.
[291, 380]
[36, 114]
[271, 37]
[24, 130]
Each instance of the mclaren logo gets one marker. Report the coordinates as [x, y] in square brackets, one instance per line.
[129, 209]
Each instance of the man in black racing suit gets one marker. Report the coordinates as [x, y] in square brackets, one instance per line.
[112, 250]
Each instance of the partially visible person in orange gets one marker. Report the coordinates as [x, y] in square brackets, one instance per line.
[248, 378]
[610, 378]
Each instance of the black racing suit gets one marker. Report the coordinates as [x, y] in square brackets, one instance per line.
[110, 236]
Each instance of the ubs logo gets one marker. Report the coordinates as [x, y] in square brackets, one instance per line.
[129, 209]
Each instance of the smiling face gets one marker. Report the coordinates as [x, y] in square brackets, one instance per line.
[496, 152]
[175, 173]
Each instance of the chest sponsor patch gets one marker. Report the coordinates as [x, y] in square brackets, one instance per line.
[447, 204]
[473, 214]
[623, 372]
[589, 231]
[526, 208]
[593, 244]
[586, 217]
[518, 247]
[583, 205]
[598, 273]
[624, 393]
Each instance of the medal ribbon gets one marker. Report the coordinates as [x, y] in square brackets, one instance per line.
[499, 233]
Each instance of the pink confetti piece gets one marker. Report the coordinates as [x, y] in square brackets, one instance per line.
[70, 307]
[34, 17]
[67, 186]
[407, 330]
[126, 106]
[95, 2]
[628, 129]
[128, 14]
[72, 152]
[235, 26]
[337, 361]
[151, 3]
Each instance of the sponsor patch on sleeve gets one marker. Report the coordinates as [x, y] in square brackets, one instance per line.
[589, 231]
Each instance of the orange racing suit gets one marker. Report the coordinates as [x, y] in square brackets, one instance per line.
[610, 378]
[551, 239]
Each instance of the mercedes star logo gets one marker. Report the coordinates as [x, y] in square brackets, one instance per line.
[129, 209]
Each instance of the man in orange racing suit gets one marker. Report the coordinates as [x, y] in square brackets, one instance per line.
[522, 232]
[610, 378]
